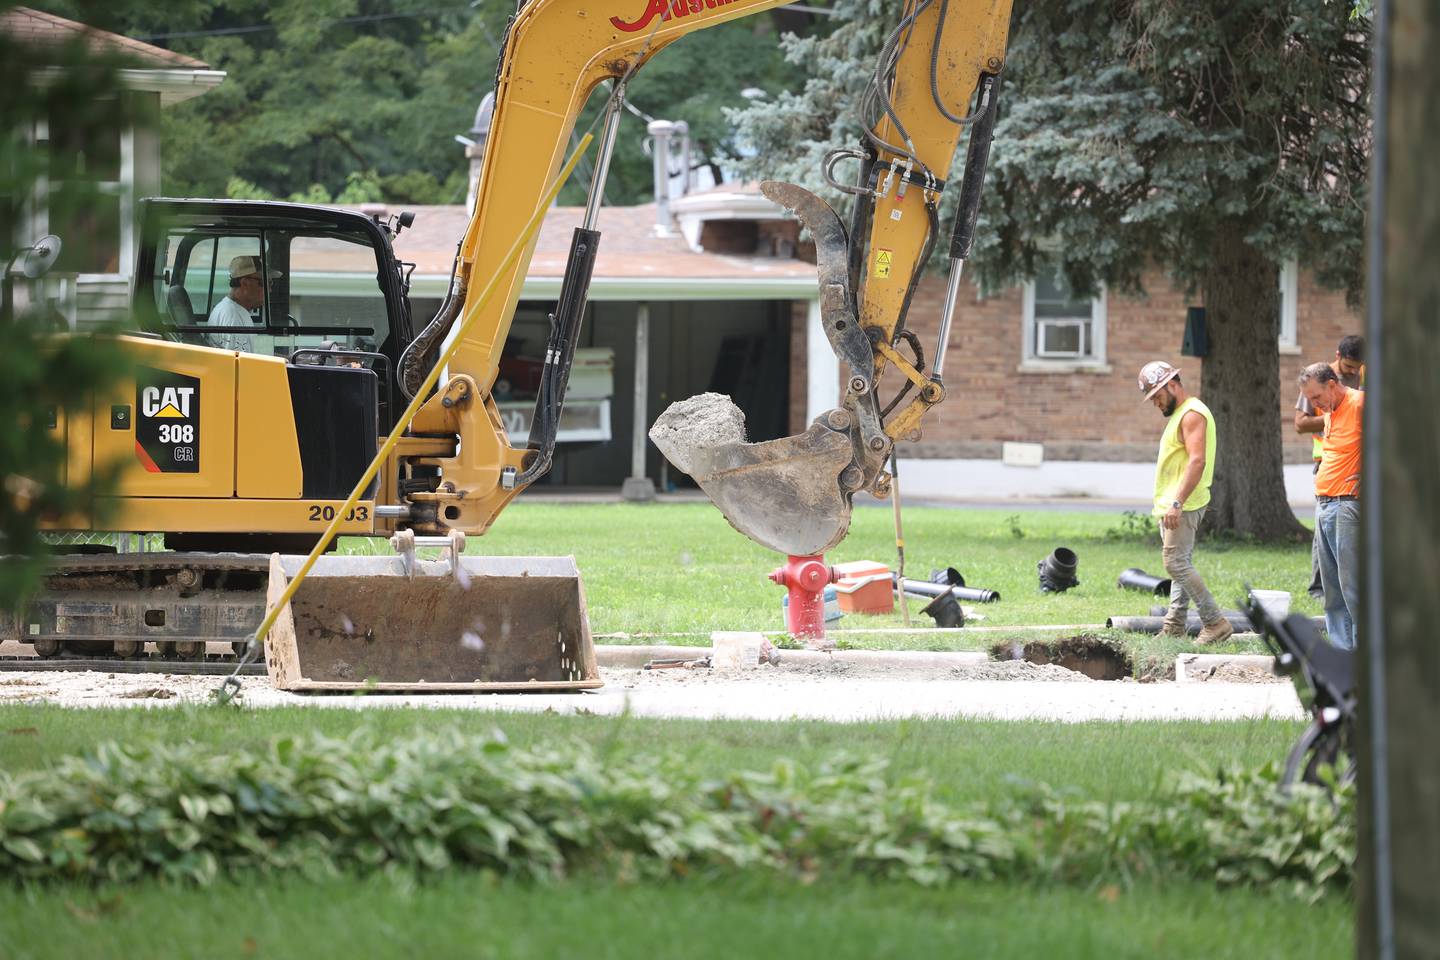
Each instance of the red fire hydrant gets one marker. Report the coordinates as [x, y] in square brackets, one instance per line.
[805, 579]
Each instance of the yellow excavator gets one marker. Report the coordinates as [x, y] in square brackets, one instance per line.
[257, 399]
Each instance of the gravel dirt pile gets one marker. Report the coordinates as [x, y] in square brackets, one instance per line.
[705, 420]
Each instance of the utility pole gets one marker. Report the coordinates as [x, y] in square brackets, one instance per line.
[1399, 644]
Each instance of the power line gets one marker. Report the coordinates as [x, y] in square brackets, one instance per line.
[264, 27]
[375, 17]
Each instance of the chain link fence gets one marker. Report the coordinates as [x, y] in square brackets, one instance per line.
[119, 542]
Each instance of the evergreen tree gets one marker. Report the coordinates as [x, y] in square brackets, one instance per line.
[1212, 139]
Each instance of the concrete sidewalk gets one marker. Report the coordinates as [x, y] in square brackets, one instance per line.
[1060, 485]
[1068, 480]
[768, 693]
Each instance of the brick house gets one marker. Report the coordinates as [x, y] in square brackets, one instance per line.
[1080, 402]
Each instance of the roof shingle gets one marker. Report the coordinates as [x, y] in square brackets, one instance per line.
[45, 29]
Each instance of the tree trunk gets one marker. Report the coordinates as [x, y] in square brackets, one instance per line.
[1240, 384]
[1399, 869]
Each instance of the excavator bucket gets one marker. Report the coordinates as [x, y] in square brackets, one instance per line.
[784, 494]
[794, 494]
[392, 623]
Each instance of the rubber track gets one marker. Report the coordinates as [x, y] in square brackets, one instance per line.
[121, 562]
[73, 563]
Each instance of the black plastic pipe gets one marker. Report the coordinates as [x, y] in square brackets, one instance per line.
[1239, 621]
[920, 588]
[948, 578]
[1137, 579]
[952, 577]
[944, 605]
[1160, 610]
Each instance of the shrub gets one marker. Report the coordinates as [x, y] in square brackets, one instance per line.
[447, 800]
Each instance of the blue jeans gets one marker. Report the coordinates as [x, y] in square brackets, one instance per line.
[1337, 545]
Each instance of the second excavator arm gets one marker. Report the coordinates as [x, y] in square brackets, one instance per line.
[937, 75]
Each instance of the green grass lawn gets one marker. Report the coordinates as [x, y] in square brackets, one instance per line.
[466, 914]
[681, 569]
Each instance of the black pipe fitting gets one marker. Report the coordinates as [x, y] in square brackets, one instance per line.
[1137, 579]
[1057, 571]
[946, 611]
[944, 605]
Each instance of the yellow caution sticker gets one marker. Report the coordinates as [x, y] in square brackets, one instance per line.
[882, 263]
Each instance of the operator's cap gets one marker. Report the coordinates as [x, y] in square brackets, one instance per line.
[1155, 375]
[249, 267]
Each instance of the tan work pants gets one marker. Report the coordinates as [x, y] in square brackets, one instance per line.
[1186, 583]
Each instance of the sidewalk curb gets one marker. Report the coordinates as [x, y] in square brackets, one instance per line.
[620, 656]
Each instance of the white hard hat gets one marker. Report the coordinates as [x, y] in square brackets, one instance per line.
[1154, 375]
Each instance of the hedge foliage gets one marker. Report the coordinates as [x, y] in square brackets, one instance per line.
[446, 800]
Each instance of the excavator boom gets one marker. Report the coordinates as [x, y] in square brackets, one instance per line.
[788, 493]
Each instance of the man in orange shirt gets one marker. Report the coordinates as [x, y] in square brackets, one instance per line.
[1337, 498]
[1349, 366]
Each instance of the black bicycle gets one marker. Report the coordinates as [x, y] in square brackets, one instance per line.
[1324, 677]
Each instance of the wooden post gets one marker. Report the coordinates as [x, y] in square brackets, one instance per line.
[1399, 895]
[638, 486]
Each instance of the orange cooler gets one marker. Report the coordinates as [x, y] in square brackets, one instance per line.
[865, 587]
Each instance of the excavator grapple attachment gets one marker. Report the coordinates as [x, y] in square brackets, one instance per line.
[391, 623]
[784, 494]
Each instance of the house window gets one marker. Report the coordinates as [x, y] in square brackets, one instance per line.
[86, 195]
[1289, 296]
[1061, 327]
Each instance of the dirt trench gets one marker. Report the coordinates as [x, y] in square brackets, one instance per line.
[1087, 654]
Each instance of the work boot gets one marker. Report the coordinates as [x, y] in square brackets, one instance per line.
[1214, 633]
[1171, 627]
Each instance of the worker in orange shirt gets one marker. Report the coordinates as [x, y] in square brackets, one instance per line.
[1349, 366]
[1337, 498]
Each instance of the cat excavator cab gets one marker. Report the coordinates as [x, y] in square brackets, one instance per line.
[241, 442]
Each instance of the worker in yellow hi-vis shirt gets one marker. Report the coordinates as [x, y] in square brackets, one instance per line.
[1183, 472]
